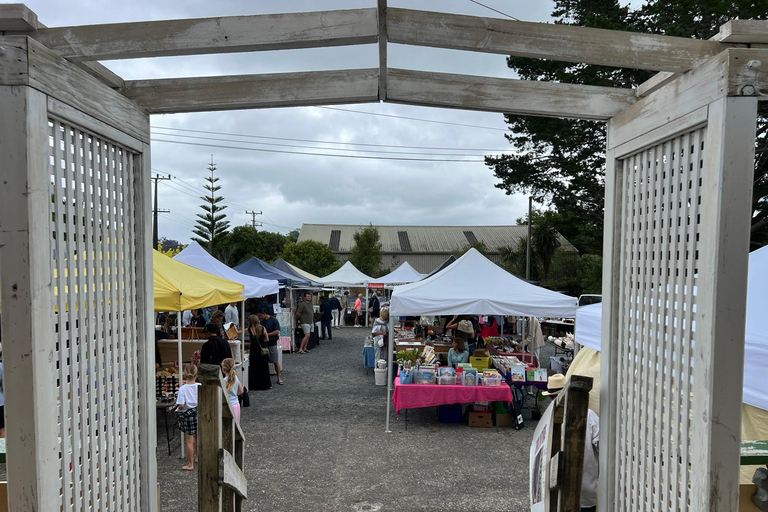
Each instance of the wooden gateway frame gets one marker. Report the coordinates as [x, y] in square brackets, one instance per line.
[76, 260]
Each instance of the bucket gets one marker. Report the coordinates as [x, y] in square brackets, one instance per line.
[380, 375]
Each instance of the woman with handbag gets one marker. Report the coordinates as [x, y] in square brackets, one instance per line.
[258, 373]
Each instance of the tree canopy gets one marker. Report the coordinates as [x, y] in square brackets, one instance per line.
[310, 256]
[561, 162]
[245, 242]
[212, 225]
[367, 252]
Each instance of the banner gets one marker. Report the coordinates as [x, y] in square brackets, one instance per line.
[539, 463]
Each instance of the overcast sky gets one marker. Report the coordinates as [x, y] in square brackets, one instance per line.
[292, 189]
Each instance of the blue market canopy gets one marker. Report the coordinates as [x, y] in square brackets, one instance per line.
[260, 268]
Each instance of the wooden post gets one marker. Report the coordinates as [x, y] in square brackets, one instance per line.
[28, 297]
[228, 444]
[574, 432]
[209, 438]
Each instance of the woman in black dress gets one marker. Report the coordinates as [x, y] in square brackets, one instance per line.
[258, 372]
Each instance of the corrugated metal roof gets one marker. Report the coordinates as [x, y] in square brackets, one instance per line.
[423, 239]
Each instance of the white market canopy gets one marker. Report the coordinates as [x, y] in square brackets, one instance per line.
[403, 274]
[195, 256]
[474, 285]
[589, 329]
[346, 276]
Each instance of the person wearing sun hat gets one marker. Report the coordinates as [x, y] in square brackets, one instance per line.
[555, 385]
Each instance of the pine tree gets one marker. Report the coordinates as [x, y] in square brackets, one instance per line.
[211, 225]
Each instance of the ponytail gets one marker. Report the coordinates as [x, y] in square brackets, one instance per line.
[228, 367]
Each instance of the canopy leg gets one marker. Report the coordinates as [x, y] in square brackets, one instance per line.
[388, 346]
[181, 373]
[292, 315]
[367, 320]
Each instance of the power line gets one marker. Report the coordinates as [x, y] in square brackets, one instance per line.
[494, 10]
[185, 185]
[414, 118]
[307, 147]
[200, 144]
[327, 141]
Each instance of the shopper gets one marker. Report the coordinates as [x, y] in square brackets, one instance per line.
[326, 317]
[343, 311]
[380, 332]
[590, 476]
[217, 321]
[198, 319]
[359, 310]
[231, 315]
[272, 326]
[306, 317]
[186, 410]
[335, 310]
[186, 319]
[258, 374]
[458, 353]
[232, 385]
[215, 349]
[374, 307]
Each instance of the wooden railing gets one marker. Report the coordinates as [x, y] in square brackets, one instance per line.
[569, 428]
[222, 486]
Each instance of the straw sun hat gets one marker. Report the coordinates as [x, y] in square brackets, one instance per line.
[465, 326]
[555, 385]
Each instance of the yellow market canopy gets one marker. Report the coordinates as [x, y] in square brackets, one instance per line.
[179, 287]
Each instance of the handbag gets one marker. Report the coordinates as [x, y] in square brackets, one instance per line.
[264, 350]
[245, 400]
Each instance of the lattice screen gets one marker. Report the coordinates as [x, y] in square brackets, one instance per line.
[92, 230]
[660, 220]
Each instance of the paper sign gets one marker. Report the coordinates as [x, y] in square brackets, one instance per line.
[277, 309]
[539, 464]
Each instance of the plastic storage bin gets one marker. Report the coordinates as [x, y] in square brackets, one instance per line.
[406, 376]
[447, 380]
[481, 363]
[492, 381]
[424, 377]
[469, 379]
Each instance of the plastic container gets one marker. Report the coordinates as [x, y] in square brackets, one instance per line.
[492, 381]
[469, 379]
[380, 376]
[406, 376]
[424, 377]
[447, 380]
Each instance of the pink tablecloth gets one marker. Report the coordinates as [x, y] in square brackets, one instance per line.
[412, 396]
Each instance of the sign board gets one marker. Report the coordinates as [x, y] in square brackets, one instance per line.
[539, 463]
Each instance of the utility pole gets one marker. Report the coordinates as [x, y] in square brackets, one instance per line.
[528, 246]
[155, 210]
[253, 217]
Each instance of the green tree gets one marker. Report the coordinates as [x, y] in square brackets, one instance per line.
[590, 273]
[293, 236]
[367, 252]
[561, 162]
[211, 226]
[480, 246]
[314, 257]
[245, 242]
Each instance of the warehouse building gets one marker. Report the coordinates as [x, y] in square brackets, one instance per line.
[424, 247]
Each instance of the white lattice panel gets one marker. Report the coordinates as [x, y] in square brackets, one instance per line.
[659, 251]
[94, 267]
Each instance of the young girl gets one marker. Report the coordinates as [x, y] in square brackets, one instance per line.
[234, 388]
[186, 409]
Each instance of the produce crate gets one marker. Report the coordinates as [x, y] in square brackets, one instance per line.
[481, 363]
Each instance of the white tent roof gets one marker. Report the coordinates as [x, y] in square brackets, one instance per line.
[403, 274]
[589, 328]
[473, 284]
[347, 275]
[195, 256]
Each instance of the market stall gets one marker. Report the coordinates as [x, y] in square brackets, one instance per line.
[347, 277]
[259, 268]
[474, 285]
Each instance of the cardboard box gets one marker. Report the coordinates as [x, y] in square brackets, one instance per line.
[480, 419]
[481, 407]
[503, 420]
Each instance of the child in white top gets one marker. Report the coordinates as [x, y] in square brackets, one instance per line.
[186, 410]
[233, 386]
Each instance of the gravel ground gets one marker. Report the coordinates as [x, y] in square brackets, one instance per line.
[318, 444]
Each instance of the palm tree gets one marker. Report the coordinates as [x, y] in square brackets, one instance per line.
[545, 241]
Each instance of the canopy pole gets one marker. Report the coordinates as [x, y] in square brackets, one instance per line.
[388, 346]
[293, 313]
[242, 334]
[367, 320]
[181, 372]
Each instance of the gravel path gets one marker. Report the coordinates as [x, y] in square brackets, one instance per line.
[318, 444]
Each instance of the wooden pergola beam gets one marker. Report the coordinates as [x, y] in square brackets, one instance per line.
[212, 35]
[507, 96]
[176, 95]
[744, 31]
[382, 18]
[548, 41]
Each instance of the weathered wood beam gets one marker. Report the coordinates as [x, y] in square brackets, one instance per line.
[505, 95]
[17, 17]
[212, 35]
[548, 41]
[744, 31]
[382, 18]
[655, 83]
[177, 95]
[231, 475]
